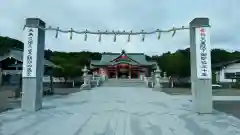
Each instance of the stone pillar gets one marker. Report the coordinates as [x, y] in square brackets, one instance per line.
[201, 82]
[33, 65]
[86, 84]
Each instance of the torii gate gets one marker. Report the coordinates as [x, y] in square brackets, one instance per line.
[201, 80]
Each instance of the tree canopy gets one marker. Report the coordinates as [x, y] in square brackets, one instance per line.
[175, 64]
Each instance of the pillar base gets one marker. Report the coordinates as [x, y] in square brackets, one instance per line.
[31, 94]
[86, 87]
[202, 96]
[158, 87]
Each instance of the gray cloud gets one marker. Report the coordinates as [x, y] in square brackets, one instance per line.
[123, 15]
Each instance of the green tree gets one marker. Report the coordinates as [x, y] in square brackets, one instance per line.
[7, 43]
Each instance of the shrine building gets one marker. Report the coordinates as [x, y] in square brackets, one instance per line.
[123, 65]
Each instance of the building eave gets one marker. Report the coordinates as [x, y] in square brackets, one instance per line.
[220, 66]
[18, 55]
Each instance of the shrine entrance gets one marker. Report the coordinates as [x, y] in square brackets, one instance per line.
[123, 65]
[200, 57]
[124, 71]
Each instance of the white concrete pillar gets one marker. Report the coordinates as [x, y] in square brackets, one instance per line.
[201, 76]
[33, 65]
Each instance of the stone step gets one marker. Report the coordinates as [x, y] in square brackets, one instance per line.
[124, 83]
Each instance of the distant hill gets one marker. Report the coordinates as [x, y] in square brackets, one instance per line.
[7, 43]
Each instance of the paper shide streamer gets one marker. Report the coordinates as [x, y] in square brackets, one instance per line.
[115, 33]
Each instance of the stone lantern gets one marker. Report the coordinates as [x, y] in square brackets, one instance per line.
[86, 84]
[157, 79]
[165, 75]
[85, 71]
[158, 72]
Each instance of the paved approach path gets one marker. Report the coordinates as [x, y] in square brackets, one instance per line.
[117, 111]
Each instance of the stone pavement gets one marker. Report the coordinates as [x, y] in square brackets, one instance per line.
[118, 111]
[58, 92]
[216, 92]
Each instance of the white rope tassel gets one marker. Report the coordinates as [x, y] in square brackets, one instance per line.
[129, 36]
[159, 34]
[100, 36]
[143, 36]
[71, 34]
[174, 32]
[85, 36]
[115, 37]
[56, 36]
[24, 27]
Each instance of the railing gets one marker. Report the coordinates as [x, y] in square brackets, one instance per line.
[95, 81]
[151, 81]
[92, 81]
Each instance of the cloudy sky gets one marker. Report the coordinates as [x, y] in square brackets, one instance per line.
[124, 15]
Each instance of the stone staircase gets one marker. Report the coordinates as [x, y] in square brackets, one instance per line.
[124, 83]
